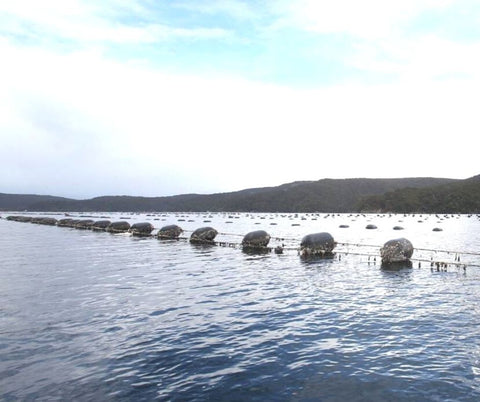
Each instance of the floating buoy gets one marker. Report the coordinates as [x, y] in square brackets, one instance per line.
[141, 229]
[258, 238]
[44, 221]
[101, 225]
[19, 218]
[256, 241]
[437, 230]
[84, 224]
[317, 244]
[66, 222]
[370, 226]
[118, 227]
[397, 228]
[169, 232]
[203, 235]
[396, 250]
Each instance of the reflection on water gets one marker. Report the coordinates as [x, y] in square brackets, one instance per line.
[94, 316]
[397, 266]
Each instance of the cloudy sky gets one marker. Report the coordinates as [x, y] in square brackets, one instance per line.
[177, 96]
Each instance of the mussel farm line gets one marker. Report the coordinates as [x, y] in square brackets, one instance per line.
[394, 253]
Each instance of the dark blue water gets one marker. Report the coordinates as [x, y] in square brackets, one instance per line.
[94, 316]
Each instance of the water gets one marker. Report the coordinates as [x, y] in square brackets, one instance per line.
[94, 316]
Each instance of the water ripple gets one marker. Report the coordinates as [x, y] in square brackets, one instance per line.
[91, 316]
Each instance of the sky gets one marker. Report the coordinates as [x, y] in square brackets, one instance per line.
[155, 98]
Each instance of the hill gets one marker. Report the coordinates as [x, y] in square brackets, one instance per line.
[21, 202]
[326, 195]
[461, 196]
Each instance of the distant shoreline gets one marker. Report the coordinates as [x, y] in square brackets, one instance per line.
[409, 195]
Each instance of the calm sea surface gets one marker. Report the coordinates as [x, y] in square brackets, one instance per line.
[94, 316]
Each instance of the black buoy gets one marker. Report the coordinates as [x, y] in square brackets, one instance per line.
[203, 235]
[44, 221]
[19, 218]
[141, 229]
[66, 222]
[169, 232]
[100, 225]
[317, 244]
[84, 224]
[256, 242]
[118, 227]
[396, 250]
[257, 238]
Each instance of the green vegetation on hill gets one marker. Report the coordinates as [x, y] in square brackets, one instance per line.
[327, 195]
[461, 196]
[21, 202]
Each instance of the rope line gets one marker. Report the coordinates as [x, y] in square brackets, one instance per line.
[433, 264]
[288, 238]
[415, 248]
[279, 249]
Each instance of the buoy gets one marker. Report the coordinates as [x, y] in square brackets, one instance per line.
[141, 229]
[19, 218]
[84, 224]
[396, 250]
[100, 225]
[257, 238]
[169, 232]
[66, 222]
[317, 244]
[44, 221]
[203, 235]
[118, 227]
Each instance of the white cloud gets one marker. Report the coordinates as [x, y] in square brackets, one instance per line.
[362, 19]
[378, 38]
[233, 8]
[85, 23]
[79, 121]
[426, 58]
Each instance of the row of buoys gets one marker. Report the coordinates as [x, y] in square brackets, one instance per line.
[33, 219]
[137, 229]
[319, 244]
[371, 226]
[123, 226]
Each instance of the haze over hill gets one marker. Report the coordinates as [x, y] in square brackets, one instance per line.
[326, 195]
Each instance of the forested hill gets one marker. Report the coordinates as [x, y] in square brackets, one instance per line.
[21, 202]
[326, 195]
[462, 196]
